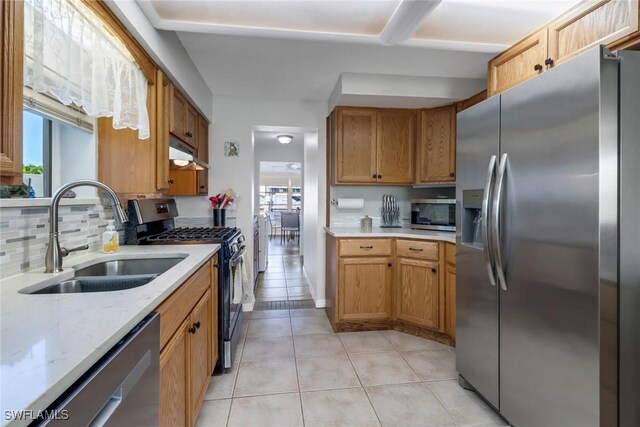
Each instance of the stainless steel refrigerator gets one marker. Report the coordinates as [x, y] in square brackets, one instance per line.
[548, 245]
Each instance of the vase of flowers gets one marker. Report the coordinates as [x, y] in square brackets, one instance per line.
[220, 202]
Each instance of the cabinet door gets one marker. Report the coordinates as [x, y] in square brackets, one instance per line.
[202, 181]
[11, 88]
[182, 182]
[174, 369]
[395, 147]
[200, 351]
[214, 312]
[355, 146]
[520, 62]
[178, 113]
[609, 22]
[163, 113]
[190, 125]
[437, 145]
[203, 139]
[418, 292]
[364, 288]
[450, 301]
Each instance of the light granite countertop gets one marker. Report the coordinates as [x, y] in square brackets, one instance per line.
[392, 232]
[48, 341]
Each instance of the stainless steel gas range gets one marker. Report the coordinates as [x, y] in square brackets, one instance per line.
[152, 222]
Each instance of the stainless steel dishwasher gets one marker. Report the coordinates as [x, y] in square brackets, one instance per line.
[121, 389]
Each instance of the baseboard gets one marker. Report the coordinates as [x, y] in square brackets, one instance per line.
[247, 306]
[321, 303]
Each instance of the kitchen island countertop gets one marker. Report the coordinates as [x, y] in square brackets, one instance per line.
[407, 233]
[49, 340]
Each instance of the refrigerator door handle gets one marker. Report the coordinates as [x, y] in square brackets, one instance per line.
[495, 221]
[491, 173]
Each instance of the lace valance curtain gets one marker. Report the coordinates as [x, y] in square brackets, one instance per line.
[70, 55]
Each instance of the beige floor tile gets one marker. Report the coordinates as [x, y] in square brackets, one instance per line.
[271, 299]
[273, 283]
[382, 368]
[267, 348]
[278, 410]
[466, 407]
[303, 297]
[294, 274]
[310, 325]
[269, 275]
[299, 292]
[337, 408]
[296, 283]
[266, 377]
[214, 413]
[407, 342]
[261, 328]
[308, 312]
[237, 355]
[269, 314]
[432, 364]
[322, 345]
[221, 386]
[271, 293]
[273, 267]
[326, 373]
[408, 405]
[365, 342]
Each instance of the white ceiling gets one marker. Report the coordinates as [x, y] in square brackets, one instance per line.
[297, 49]
[280, 168]
[270, 138]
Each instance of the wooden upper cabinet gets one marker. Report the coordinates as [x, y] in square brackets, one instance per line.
[396, 140]
[436, 160]
[202, 139]
[184, 118]
[611, 22]
[11, 87]
[520, 62]
[354, 146]
[163, 103]
[364, 288]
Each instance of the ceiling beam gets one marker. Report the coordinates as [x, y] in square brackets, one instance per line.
[406, 20]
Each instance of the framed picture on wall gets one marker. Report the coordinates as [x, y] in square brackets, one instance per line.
[232, 149]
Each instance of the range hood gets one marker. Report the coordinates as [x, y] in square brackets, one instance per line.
[179, 152]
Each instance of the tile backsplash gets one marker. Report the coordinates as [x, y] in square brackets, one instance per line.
[24, 233]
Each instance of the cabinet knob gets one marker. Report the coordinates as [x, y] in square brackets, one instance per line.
[197, 325]
[374, 176]
[379, 176]
[548, 62]
[452, 174]
[170, 181]
[537, 67]
[192, 330]
[389, 265]
[433, 270]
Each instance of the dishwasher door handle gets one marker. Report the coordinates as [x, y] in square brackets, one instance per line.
[121, 392]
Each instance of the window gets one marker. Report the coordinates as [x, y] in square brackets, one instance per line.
[36, 153]
[275, 198]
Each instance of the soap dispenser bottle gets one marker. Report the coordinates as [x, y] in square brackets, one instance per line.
[110, 239]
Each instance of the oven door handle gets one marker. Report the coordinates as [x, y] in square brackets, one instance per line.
[237, 257]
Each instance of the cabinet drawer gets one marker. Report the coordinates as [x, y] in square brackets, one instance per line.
[364, 247]
[178, 306]
[417, 249]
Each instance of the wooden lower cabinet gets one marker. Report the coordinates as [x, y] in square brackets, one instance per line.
[187, 358]
[364, 288]
[450, 298]
[174, 373]
[418, 292]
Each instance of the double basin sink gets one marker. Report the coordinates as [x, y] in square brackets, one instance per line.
[112, 275]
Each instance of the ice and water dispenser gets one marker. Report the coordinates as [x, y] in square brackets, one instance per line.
[472, 218]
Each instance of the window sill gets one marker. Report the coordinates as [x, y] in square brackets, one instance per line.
[45, 202]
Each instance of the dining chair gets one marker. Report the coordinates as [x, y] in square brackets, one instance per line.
[274, 223]
[290, 223]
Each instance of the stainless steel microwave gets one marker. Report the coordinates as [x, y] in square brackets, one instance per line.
[433, 214]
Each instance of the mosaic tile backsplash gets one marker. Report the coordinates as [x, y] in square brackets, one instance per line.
[24, 233]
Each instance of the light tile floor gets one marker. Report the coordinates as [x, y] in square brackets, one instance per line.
[283, 280]
[292, 370]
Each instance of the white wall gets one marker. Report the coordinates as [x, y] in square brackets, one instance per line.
[233, 120]
[166, 49]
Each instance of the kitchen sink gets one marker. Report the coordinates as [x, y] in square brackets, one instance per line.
[127, 267]
[97, 284]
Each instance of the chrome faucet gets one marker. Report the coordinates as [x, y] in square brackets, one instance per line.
[55, 253]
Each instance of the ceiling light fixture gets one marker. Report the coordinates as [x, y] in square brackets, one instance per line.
[294, 166]
[285, 139]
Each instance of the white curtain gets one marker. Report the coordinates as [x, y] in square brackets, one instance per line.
[70, 55]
